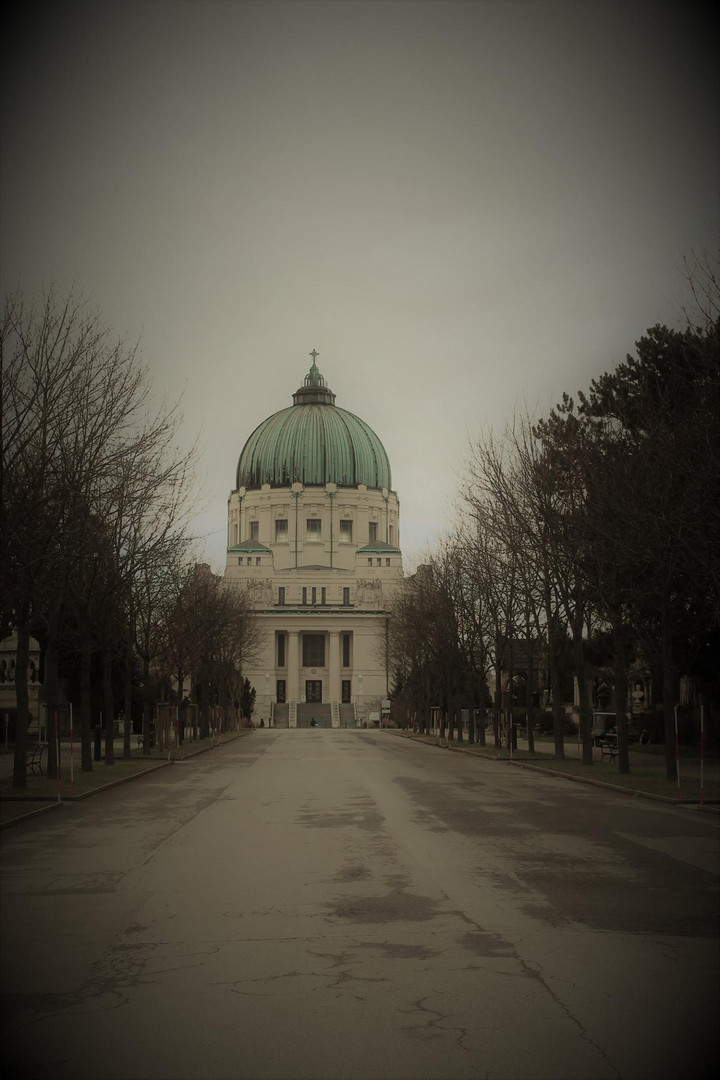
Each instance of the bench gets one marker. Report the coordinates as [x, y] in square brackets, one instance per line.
[608, 746]
[33, 757]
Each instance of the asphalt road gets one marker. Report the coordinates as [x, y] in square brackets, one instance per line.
[331, 904]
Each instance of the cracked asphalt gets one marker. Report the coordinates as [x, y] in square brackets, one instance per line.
[348, 904]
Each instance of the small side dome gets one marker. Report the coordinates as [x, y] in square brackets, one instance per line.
[313, 442]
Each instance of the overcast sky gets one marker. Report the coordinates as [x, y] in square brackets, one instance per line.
[461, 206]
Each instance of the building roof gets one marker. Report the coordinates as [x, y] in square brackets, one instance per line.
[324, 567]
[378, 546]
[313, 442]
[250, 545]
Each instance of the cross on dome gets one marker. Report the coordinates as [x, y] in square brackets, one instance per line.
[313, 377]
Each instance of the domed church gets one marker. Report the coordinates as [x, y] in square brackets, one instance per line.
[314, 534]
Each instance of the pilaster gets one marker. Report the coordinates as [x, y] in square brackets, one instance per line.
[334, 666]
[293, 665]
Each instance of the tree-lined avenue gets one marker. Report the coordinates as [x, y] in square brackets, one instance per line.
[310, 904]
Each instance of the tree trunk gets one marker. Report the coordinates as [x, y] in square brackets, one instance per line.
[23, 706]
[558, 718]
[128, 701]
[480, 728]
[585, 704]
[147, 704]
[50, 685]
[509, 708]
[181, 711]
[86, 755]
[428, 706]
[529, 711]
[668, 686]
[621, 693]
[108, 706]
[497, 703]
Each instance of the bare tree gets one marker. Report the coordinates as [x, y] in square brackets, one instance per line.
[213, 636]
[49, 356]
[81, 452]
[512, 494]
[436, 649]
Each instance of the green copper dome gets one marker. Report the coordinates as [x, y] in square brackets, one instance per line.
[313, 442]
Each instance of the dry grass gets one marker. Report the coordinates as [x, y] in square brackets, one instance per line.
[40, 786]
[648, 780]
[646, 777]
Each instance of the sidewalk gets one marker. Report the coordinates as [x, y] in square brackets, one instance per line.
[156, 756]
[41, 793]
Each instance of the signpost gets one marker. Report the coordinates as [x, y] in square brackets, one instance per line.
[677, 754]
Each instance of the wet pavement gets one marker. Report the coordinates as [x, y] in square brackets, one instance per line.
[341, 904]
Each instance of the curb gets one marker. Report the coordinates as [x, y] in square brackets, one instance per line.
[52, 802]
[117, 783]
[633, 792]
[213, 746]
[636, 794]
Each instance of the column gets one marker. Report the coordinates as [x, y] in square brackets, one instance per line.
[293, 665]
[334, 666]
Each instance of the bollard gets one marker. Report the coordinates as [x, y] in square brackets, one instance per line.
[98, 743]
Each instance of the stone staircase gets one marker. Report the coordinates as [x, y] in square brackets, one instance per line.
[307, 711]
[299, 714]
[280, 717]
[347, 716]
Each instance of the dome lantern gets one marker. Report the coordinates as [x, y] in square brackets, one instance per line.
[315, 390]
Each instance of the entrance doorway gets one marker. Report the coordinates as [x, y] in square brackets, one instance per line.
[313, 691]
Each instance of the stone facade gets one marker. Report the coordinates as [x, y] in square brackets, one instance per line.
[319, 561]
